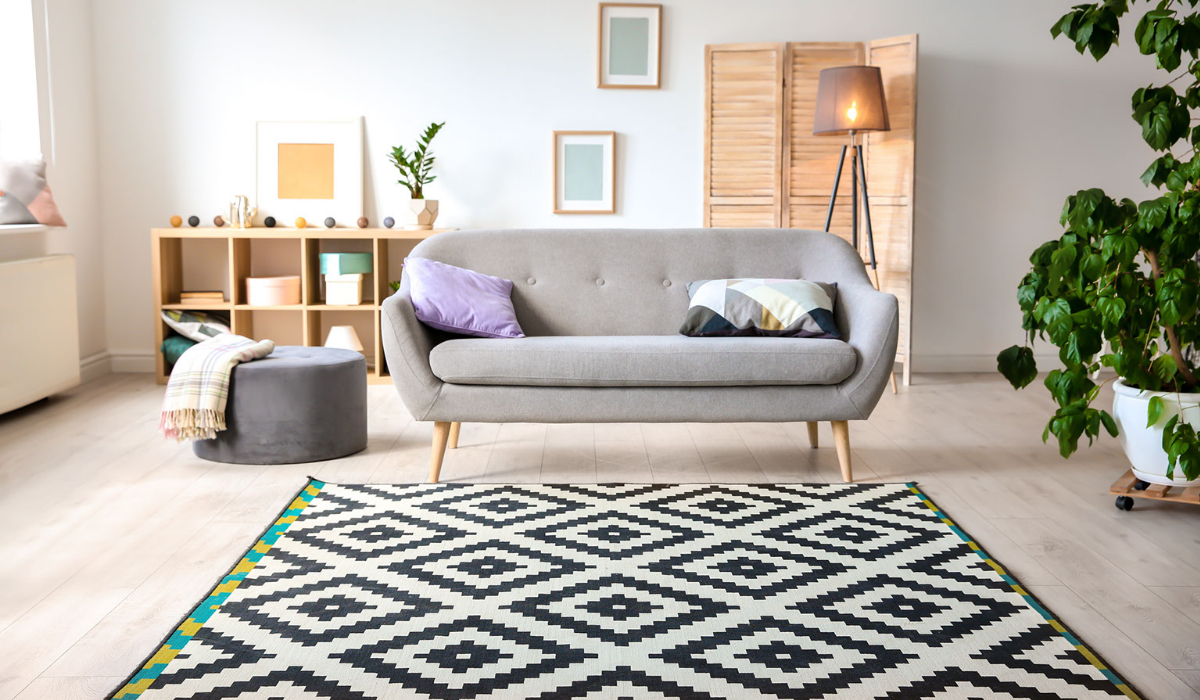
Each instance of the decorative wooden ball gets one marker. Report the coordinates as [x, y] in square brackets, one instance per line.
[269, 222]
[193, 221]
[218, 221]
[362, 222]
[300, 222]
[176, 221]
[389, 222]
[329, 222]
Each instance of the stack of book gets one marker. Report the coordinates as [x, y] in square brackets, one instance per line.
[202, 298]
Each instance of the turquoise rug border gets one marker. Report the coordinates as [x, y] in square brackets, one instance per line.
[141, 679]
[1029, 598]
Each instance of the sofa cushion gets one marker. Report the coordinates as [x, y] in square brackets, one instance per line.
[651, 360]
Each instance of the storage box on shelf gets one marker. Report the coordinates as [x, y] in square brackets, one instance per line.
[305, 322]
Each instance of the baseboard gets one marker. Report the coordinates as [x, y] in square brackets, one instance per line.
[95, 366]
[132, 362]
[967, 364]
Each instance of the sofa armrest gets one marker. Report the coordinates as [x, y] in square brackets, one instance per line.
[407, 344]
[870, 321]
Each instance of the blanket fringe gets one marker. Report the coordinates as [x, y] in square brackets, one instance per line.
[183, 424]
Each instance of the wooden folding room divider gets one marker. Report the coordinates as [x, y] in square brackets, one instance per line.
[764, 168]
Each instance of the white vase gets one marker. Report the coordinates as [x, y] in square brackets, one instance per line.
[426, 211]
[1143, 445]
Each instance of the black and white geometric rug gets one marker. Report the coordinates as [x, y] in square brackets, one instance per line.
[619, 591]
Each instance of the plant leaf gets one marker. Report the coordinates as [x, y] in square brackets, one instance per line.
[1017, 365]
[1154, 411]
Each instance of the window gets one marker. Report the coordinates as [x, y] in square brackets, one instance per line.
[20, 130]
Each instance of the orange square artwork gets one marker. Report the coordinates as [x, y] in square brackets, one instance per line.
[306, 171]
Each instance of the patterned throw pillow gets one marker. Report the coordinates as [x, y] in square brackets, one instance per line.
[197, 325]
[786, 308]
[26, 181]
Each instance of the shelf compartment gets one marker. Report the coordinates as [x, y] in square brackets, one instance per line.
[191, 265]
[314, 282]
[283, 325]
[267, 257]
[317, 323]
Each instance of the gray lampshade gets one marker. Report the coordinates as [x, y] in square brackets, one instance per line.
[846, 92]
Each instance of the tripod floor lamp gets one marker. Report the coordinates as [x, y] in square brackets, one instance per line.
[850, 101]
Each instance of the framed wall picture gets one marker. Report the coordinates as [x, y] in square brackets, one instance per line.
[310, 169]
[585, 172]
[630, 45]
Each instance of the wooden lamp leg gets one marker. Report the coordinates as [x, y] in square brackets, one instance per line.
[812, 434]
[456, 426]
[441, 433]
[841, 438]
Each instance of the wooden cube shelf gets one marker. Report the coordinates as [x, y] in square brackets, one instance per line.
[246, 255]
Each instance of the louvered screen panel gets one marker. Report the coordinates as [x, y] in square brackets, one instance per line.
[811, 161]
[890, 154]
[743, 135]
[803, 213]
[890, 165]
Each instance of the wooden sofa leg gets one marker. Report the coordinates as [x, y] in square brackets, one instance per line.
[812, 434]
[454, 428]
[441, 433]
[841, 438]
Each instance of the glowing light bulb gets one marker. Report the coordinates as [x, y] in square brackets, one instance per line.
[852, 113]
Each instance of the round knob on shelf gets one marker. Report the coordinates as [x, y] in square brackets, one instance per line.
[329, 222]
[389, 222]
[176, 221]
[362, 222]
[218, 221]
[193, 221]
[269, 222]
[300, 222]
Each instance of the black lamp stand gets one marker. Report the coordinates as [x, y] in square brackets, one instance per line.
[860, 175]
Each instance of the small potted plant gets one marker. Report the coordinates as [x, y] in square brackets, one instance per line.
[1120, 288]
[415, 169]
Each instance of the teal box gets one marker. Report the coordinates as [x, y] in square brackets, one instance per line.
[345, 263]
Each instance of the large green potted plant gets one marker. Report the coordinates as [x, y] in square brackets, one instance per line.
[1120, 287]
[416, 171]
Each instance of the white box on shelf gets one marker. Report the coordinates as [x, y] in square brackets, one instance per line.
[344, 290]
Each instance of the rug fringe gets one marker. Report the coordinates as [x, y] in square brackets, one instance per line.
[183, 424]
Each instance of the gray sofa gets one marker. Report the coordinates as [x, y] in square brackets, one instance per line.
[602, 310]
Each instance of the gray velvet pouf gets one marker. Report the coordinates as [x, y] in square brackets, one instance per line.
[297, 404]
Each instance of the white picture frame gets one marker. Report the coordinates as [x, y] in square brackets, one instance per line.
[585, 172]
[630, 46]
[336, 190]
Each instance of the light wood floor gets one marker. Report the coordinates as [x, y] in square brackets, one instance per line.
[110, 534]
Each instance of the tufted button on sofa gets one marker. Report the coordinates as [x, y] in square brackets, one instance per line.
[606, 347]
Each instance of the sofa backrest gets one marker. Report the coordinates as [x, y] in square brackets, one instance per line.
[633, 281]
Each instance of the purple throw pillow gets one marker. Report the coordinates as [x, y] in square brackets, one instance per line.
[462, 301]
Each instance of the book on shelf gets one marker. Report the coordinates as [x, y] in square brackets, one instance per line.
[201, 297]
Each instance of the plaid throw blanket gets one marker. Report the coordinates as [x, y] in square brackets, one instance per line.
[194, 407]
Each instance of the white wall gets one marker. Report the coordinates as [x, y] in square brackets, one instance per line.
[1009, 123]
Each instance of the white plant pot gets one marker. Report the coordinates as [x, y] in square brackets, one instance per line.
[1142, 445]
[426, 211]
